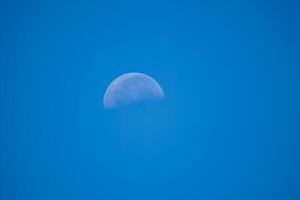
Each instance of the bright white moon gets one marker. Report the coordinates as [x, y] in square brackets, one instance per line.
[131, 88]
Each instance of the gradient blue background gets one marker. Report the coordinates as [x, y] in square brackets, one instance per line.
[228, 128]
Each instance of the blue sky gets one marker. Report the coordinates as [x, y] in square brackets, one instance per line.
[228, 128]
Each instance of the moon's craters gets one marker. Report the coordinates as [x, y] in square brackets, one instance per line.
[131, 88]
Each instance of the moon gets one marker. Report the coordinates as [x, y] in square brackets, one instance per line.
[131, 88]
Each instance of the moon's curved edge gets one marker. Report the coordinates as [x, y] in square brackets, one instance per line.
[123, 77]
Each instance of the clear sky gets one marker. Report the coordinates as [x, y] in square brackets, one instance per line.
[228, 128]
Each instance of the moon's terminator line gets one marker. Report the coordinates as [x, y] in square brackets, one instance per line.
[131, 88]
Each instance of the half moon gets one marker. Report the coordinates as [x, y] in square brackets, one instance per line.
[131, 88]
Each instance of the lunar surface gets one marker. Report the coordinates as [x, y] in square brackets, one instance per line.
[131, 88]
